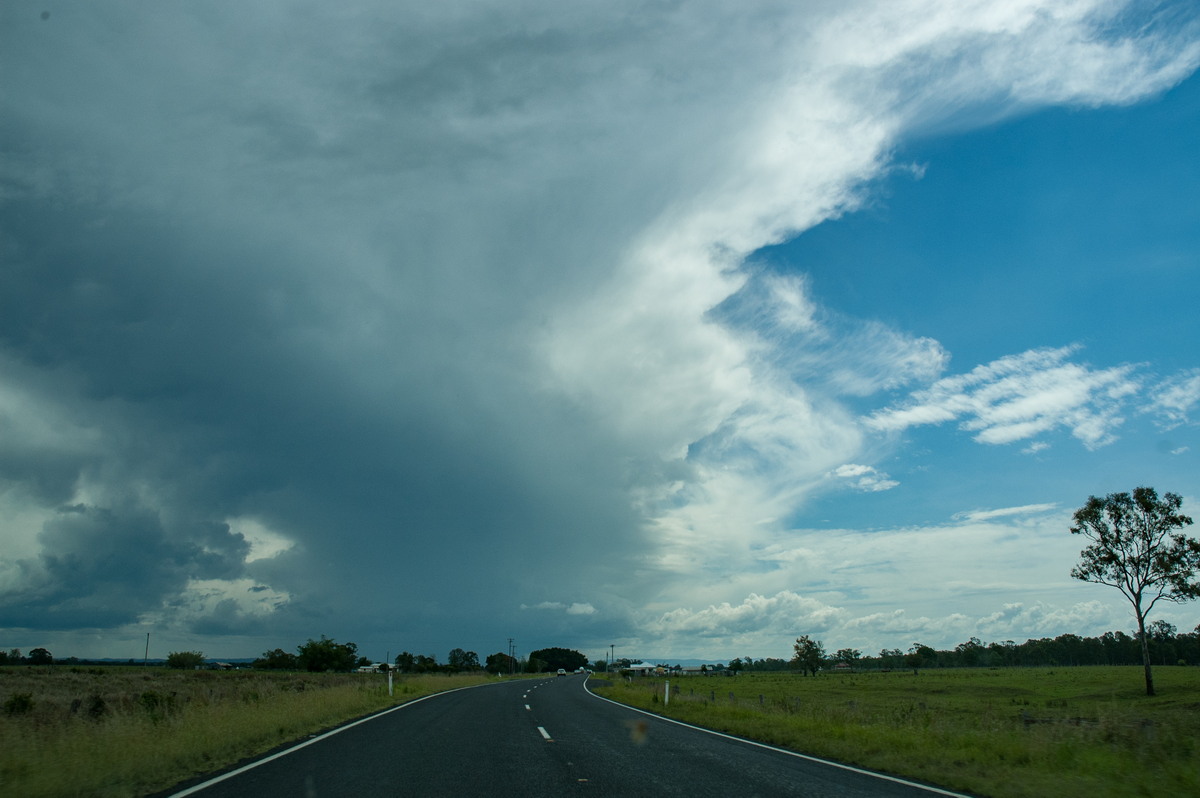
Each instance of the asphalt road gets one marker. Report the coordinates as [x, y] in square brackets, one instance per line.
[525, 739]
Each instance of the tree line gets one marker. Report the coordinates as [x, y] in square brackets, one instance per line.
[1164, 642]
[329, 655]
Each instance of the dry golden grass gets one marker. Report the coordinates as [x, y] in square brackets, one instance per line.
[120, 731]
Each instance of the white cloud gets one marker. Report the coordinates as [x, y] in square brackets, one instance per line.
[265, 543]
[1020, 397]
[203, 597]
[864, 478]
[1175, 399]
[888, 587]
[575, 608]
[1005, 512]
[784, 613]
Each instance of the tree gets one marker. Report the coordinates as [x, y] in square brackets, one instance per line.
[809, 656]
[406, 662]
[278, 660]
[891, 657]
[459, 660]
[969, 652]
[185, 660]
[1135, 548]
[1162, 635]
[555, 658]
[848, 656]
[327, 655]
[40, 656]
[500, 662]
[918, 655]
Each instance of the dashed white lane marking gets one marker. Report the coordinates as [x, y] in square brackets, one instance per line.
[545, 734]
[527, 709]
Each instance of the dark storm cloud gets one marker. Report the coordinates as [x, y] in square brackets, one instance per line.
[103, 567]
[385, 321]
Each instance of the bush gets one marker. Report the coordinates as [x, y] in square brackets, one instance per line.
[18, 704]
[185, 660]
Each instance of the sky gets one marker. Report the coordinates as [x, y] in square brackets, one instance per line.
[670, 330]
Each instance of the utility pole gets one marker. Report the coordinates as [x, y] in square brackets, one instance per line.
[146, 656]
[512, 660]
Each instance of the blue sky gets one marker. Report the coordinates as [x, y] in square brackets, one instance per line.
[1065, 227]
[687, 330]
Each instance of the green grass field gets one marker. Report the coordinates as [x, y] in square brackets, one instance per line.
[118, 731]
[1008, 733]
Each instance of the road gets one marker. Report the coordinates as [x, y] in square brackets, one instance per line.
[527, 738]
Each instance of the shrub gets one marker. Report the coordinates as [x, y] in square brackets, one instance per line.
[185, 660]
[18, 704]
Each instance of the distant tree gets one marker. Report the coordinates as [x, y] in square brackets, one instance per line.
[891, 657]
[185, 660]
[735, 665]
[406, 662]
[920, 655]
[459, 660]
[1003, 653]
[555, 658]
[1162, 638]
[40, 656]
[500, 663]
[424, 663]
[278, 660]
[327, 655]
[809, 656]
[969, 652]
[600, 665]
[1136, 549]
[848, 655]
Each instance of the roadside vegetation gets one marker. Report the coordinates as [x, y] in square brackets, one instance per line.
[130, 731]
[1002, 732]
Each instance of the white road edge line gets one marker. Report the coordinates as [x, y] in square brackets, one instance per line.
[839, 765]
[545, 734]
[218, 779]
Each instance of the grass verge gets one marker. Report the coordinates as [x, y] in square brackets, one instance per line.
[116, 732]
[1010, 733]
